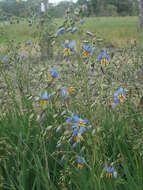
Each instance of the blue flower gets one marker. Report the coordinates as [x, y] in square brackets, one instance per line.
[79, 127]
[80, 162]
[69, 48]
[78, 131]
[110, 171]
[83, 122]
[104, 58]
[82, 130]
[119, 96]
[53, 74]
[44, 98]
[75, 132]
[77, 121]
[74, 119]
[60, 31]
[70, 45]
[87, 49]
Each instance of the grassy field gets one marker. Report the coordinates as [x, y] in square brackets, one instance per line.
[119, 31]
[79, 140]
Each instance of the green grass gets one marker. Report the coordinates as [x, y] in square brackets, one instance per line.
[30, 159]
[119, 31]
[17, 32]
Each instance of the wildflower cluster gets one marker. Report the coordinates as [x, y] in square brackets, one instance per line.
[70, 94]
[77, 126]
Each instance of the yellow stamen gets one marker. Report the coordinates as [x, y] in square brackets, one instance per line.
[50, 78]
[43, 102]
[121, 98]
[85, 53]
[78, 138]
[104, 61]
[67, 52]
[70, 89]
[81, 123]
[80, 166]
[108, 174]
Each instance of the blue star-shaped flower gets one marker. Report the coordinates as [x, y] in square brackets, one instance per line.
[103, 55]
[61, 31]
[44, 96]
[87, 48]
[54, 73]
[117, 94]
[70, 45]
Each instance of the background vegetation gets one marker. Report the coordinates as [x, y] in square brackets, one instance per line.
[10, 8]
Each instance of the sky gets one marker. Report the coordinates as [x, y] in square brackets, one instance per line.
[57, 1]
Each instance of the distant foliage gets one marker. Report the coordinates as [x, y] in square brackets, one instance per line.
[95, 7]
[111, 7]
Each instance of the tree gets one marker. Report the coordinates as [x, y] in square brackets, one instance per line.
[111, 7]
[140, 5]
